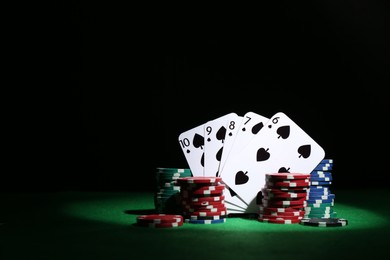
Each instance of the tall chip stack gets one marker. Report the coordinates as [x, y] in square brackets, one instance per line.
[166, 194]
[321, 201]
[284, 198]
[202, 200]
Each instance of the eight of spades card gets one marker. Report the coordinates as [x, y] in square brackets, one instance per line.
[281, 146]
[192, 145]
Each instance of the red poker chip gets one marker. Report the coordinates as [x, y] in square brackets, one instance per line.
[290, 184]
[298, 213]
[209, 198]
[286, 196]
[283, 190]
[281, 209]
[194, 207]
[206, 213]
[160, 218]
[203, 209]
[202, 203]
[287, 176]
[207, 190]
[280, 217]
[281, 200]
[279, 221]
[161, 225]
[284, 203]
[198, 179]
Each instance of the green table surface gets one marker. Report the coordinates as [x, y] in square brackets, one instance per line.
[101, 225]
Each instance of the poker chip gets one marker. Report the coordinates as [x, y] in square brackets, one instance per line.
[321, 215]
[205, 213]
[290, 183]
[161, 225]
[160, 218]
[196, 217]
[280, 220]
[173, 170]
[323, 183]
[201, 203]
[321, 179]
[298, 213]
[324, 222]
[210, 198]
[199, 179]
[287, 176]
[205, 221]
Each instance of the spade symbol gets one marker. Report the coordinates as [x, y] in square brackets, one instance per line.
[232, 193]
[219, 154]
[304, 151]
[257, 127]
[241, 178]
[202, 160]
[198, 141]
[283, 131]
[283, 169]
[262, 155]
[221, 133]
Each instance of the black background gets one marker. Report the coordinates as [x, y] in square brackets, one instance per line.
[126, 80]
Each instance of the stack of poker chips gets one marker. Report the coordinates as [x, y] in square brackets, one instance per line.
[321, 201]
[284, 198]
[166, 193]
[202, 200]
[160, 220]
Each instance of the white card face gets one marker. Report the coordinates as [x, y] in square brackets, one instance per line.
[233, 199]
[232, 128]
[281, 146]
[192, 145]
[214, 138]
[250, 126]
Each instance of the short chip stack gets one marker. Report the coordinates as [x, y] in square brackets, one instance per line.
[284, 198]
[167, 194]
[202, 200]
[160, 220]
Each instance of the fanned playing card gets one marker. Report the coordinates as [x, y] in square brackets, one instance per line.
[281, 146]
[250, 125]
[215, 133]
[192, 145]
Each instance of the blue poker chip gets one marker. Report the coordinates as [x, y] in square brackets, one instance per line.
[205, 221]
[320, 173]
[321, 178]
[322, 167]
[320, 183]
[319, 201]
[326, 161]
[317, 196]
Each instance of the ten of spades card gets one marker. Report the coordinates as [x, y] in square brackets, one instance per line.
[192, 145]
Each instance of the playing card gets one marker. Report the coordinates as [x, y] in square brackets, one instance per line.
[214, 146]
[192, 145]
[231, 134]
[281, 146]
[250, 125]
